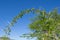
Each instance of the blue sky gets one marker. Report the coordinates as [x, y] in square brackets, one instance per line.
[11, 8]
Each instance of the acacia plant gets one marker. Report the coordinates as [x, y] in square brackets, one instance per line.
[46, 25]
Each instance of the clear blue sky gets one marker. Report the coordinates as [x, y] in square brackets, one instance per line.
[11, 8]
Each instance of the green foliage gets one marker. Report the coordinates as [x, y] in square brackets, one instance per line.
[4, 38]
[46, 26]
